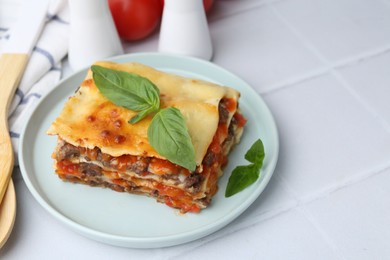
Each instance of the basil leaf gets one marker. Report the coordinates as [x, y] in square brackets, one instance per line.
[127, 90]
[167, 132]
[255, 154]
[168, 135]
[243, 176]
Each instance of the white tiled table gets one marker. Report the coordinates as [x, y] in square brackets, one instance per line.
[323, 67]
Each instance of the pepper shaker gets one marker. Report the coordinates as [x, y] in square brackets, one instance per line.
[93, 35]
[184, 29]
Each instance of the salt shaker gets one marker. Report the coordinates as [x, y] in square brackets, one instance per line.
[93, 35]
[184, 29]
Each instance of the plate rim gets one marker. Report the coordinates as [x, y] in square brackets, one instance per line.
[159, 241]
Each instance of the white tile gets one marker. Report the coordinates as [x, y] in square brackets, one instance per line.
[287, 236]
[34, 225]
[356, 218]
[224, 8]
[371, 80]
[327, 137]
[272, 54]
[340, 28]
[273, 201]
[148, 44]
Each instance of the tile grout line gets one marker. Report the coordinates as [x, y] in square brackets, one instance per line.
[283, 182]
[248, 224]
[323, 234]
[333, 71]
[307, 43]
[347, 62]
[256, 219]
[351, 181]
[332, 68]
[295, 80]
[300, 206]
[361, 100]
[245, 9]
[327, 69]
[341, 64]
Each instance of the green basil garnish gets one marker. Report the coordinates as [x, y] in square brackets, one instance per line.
[167, 132]
[127, 90]
[245, 175]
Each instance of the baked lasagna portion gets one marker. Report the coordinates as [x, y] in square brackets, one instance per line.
[97, 146]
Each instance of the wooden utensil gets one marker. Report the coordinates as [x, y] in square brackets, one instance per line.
[11, 69]
[13, 62]
[7, 213]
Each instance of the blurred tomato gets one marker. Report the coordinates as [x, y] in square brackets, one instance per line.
[135, 19]
[206, 3]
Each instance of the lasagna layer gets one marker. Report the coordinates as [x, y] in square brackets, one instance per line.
[90, 120]
[167, 182]
[97, 146]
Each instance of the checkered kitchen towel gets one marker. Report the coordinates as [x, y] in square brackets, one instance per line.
[43, 70]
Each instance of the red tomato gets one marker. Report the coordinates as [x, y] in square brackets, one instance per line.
[208, 4]
[135, 19]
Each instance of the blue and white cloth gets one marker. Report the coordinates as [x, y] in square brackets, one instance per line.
[43, 70]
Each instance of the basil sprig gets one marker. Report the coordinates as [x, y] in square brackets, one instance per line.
[167, 132]
[245, 175]
[127, 90]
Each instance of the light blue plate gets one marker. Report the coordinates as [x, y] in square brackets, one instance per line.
[132, 220]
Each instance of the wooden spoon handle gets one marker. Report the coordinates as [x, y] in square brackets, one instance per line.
[12, 66]
[7, 213]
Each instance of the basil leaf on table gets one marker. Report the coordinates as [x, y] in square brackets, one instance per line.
[245, 175]
[168, 135]
[127, 90]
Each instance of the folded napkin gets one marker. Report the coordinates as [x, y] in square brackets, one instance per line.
[43, 70]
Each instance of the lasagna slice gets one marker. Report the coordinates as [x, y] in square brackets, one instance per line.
[97, 146]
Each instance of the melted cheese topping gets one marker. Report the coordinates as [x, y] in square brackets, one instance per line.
[90, 120]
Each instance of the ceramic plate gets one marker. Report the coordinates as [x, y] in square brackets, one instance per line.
[136, 221]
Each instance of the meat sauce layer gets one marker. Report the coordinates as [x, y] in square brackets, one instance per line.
[213, 162]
